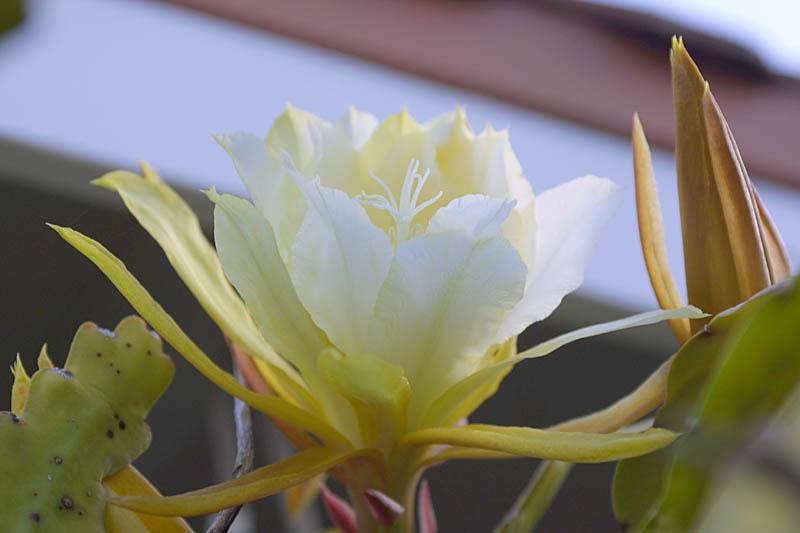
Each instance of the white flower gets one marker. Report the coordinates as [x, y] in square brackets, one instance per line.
[419, 244]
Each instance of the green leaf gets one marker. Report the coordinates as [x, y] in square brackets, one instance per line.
[725, 383]
[12, 12]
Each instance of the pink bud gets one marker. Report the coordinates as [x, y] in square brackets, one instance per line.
[385, 510]
[339, 511]
[427, 516]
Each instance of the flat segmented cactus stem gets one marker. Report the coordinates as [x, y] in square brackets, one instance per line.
[75, 426]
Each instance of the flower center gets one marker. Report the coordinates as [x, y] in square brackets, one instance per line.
[404, 211]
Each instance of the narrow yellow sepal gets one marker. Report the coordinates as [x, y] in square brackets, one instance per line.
[462, 393]
[255, 485]
[43, 361]
[651, 231]
[130, 482]
[543, 444]
[165, 325]
[173, 224]
[19, 390]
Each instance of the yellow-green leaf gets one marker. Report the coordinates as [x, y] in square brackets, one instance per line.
[758, 369]
[723, 383]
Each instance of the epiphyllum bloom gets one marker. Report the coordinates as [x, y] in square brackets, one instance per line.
[383, 272]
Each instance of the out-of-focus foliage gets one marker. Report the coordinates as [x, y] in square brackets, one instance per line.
[11, 13]
[760, 492]
[725, 385]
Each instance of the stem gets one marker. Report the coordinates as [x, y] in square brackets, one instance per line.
[536, 498]
[245, 456]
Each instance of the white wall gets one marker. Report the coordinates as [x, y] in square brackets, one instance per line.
[116, 81]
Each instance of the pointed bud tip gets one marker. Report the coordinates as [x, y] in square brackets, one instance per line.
[384, 509]
[427, 515]
[339, 511]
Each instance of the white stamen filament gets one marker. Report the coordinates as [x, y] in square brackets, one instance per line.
[402, 213]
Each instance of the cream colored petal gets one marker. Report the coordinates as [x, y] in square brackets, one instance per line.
[249, 255]
[297, 133]
[271, 189]
[358, 126]
[397, 141]
[486, 164]
[438, 311]
[570, 218]
[478, 216]
[338, 263]
[480, 164]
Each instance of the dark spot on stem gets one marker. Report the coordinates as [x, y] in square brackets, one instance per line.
[99, 354]
[110, 434]
[35, 493]
[66, 503]
[57, 460]
[128, 345]
[122, 425]
[118, 372]
[149, 352]
[36, 517]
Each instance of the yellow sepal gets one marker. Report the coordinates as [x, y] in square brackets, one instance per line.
[173, 224]
[255, 485]
[165, 325]
[130, 482]
[19, 390]
[542, 444]
[651, 231]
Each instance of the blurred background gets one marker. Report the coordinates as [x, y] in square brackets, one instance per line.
[91, 85]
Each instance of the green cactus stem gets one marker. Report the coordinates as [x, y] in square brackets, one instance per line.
[72, 427]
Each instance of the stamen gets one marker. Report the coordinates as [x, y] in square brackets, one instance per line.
[402, 213]
[385, 188]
